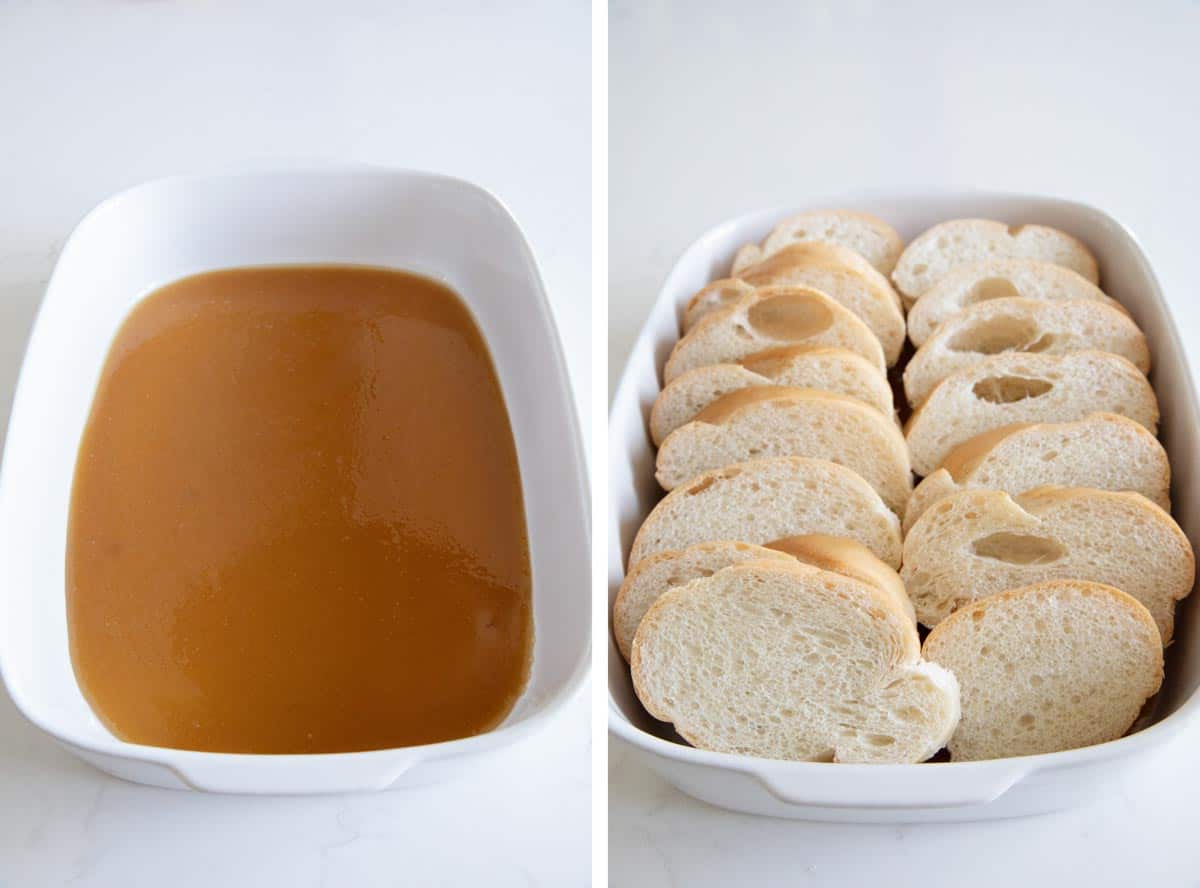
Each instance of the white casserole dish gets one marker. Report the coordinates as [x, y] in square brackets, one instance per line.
[155, 233]
[903, 793]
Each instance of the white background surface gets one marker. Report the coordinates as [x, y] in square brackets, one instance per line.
[716, 110]
[97, 96]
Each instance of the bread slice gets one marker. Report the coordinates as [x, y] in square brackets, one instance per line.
[834, 370]
[770, 317]
[1022, 325]
[820, 266]
[767, 421]
[964, 241]
[1047, 667]
[977, 542]
[1103, 450]
[836, 271]
[849, 558]
[1003, 389]
[806, 265]
[870, 237]
[968, 285]
[768, 499]
[789, 661]
[653, 576]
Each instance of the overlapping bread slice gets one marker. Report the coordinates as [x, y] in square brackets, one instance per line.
[974, 543]
[647, 580]
[1047, 667]
[935, 252]
[768, 421]
[867, 235]
[967, 285]
[786, 660]
[838, 272]
[654, 575]
[1007, 388]
[771, 317]
[768, 499]
[829, 369]
[1103, 450]
[1022, 326]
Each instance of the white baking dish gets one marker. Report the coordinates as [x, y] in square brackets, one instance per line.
[159, 232]
[927, 792]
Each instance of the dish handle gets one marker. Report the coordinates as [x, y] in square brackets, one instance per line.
[891, 787]
[290, 774]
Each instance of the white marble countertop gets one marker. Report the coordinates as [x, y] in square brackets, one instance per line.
[717, 110]
[97, 96]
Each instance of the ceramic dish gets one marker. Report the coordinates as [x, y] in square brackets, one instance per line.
[150, 235]
[927, 792]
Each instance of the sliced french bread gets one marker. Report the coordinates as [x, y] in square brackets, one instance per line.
[822, 266]
[834, 370]
[838, 272]
[1103, 450]
[768, 499]
[716, 296]
[975, 543]
[654, 575]
[788, 661]
[870, 237]
[1007, 388]
[967, 285]
[1052, 666]
[849, 558]
[1022, 326]
[965, 241]
[771, 317]
[770, 421]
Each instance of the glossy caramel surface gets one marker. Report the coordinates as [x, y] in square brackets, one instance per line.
[296, 522]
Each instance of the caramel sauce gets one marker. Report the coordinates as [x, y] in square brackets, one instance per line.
[296, 523]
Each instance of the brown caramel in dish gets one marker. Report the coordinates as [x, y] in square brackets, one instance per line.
[296, 523]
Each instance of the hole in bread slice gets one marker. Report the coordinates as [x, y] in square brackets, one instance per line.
[1019, 548]
[991, 288]
[789, 316]
[1010, 389]
[995, 335]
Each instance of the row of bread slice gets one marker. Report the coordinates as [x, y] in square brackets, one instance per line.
[730, 413]
[786, 358]
[1013, 356]
[806, 649]
[932, 257]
